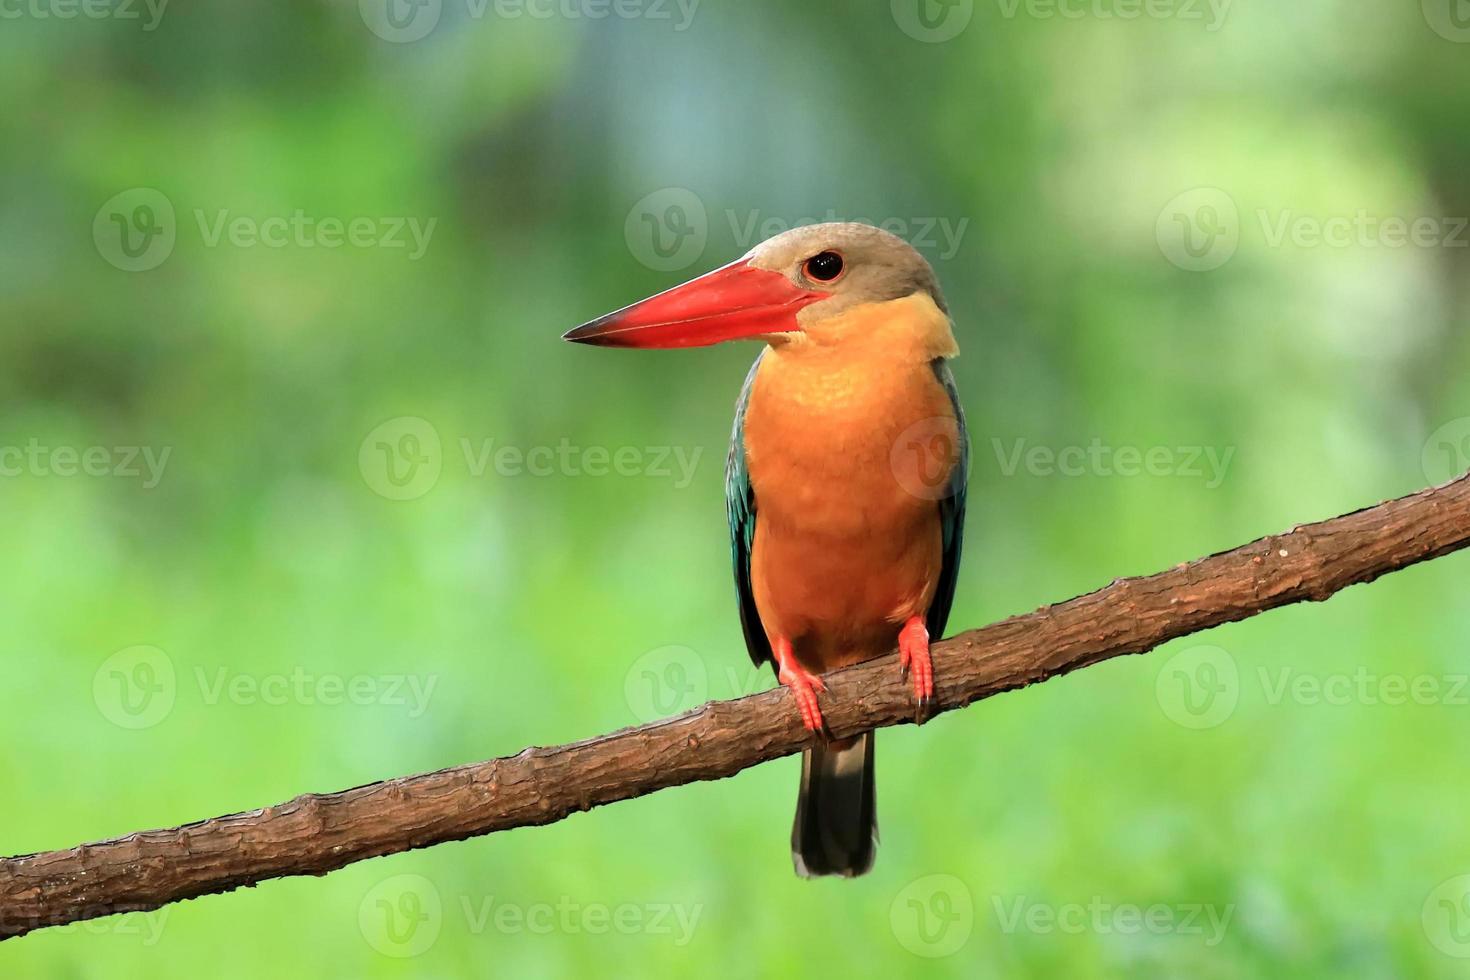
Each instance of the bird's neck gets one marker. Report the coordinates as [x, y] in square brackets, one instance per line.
[864, 372]
[911, 329]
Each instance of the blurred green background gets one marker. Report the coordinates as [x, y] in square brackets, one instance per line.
[291, 512]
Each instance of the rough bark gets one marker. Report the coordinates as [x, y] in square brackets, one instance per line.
[318, 833]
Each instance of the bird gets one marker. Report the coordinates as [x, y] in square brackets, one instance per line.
[845, 483]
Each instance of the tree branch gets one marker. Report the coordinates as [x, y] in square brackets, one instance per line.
[316, 833]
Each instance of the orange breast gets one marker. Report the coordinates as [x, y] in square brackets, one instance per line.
[846, 444]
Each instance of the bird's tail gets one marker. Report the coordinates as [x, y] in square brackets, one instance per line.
[836, 830]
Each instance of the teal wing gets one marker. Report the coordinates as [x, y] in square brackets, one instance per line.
[740, 508]
[951, 512]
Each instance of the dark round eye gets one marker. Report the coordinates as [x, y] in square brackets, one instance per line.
[824, 266]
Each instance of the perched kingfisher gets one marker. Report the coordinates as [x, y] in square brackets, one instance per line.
[845, 483]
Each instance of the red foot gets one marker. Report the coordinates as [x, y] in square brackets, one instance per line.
[913, 657]
[803, 683]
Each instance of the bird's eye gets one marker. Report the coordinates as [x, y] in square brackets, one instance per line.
[823, 267]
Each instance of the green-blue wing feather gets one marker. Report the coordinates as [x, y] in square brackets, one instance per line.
[951, 512]
[740, 508]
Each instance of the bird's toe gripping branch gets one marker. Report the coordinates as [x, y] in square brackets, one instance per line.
[803, 684]
[913, 657]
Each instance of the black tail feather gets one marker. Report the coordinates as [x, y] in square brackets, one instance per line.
[836, 829]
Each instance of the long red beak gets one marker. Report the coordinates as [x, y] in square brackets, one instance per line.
[733, 302]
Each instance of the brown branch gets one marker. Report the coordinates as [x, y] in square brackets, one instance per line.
[315, 834]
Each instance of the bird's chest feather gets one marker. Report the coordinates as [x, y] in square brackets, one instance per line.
[847, 543]
[829, 443]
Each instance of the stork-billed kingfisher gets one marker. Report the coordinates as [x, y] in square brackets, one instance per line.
[845, 483]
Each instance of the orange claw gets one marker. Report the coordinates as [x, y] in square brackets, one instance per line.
[913, 657]
[803, 684]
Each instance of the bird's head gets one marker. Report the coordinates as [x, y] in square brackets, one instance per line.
[799, 287]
